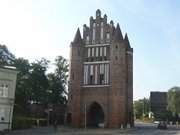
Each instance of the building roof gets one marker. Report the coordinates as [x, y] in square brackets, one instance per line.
[77, 38]
[9, 68]
[118, 34]
[127, 39]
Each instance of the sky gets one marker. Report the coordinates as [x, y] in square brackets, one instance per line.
[44, 28]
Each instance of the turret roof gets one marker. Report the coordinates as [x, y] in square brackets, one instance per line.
[127, 39]
[118, 34]
[77, 38]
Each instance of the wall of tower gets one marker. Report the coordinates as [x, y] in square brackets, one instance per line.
[118, 84]
[76, 76]
[130, 85]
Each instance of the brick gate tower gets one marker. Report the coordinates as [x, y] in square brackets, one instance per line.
[101, 76]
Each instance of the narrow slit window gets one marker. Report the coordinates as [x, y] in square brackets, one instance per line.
[96, 77]
[101, 49]
[87, 40]
[101, 76]
[107, 37]
[97, 51]
[102, 31]
[104, 51]
[92, 52]
[94, 32]
[89, 52]
[85, 74]
[91, 74]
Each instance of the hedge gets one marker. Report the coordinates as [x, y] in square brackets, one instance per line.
[26, 122]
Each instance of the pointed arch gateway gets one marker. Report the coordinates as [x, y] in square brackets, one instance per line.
[95, 115]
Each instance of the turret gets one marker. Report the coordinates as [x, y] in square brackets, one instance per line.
[126, 39]
[98, 13]
[77, 39]
[91, 21]
[105, 18]
[111, 23]
[118, 34]
[76, 77]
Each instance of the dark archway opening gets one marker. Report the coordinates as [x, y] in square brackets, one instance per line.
[95, 116]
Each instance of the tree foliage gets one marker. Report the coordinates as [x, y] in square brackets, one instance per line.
[39, 81]
[61, 71]
[58, 81]
[34, 85]
[174, 100]
[6, 57]
[141, 107]
[22, 86]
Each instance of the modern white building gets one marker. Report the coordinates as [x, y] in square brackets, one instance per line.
[7, 96]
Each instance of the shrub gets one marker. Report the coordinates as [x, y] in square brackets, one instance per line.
[25, 122]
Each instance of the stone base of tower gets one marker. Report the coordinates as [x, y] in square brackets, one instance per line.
[78, 121]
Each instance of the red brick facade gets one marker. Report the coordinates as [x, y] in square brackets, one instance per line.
[101, 74]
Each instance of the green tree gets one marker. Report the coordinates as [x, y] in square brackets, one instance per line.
[38, 81]
[32, 85]
[174, 100]
[58, 81]
[22, 86]
[61, 71]
[6, 57]
[141, 107]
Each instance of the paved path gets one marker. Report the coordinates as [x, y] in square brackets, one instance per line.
[140, 129]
